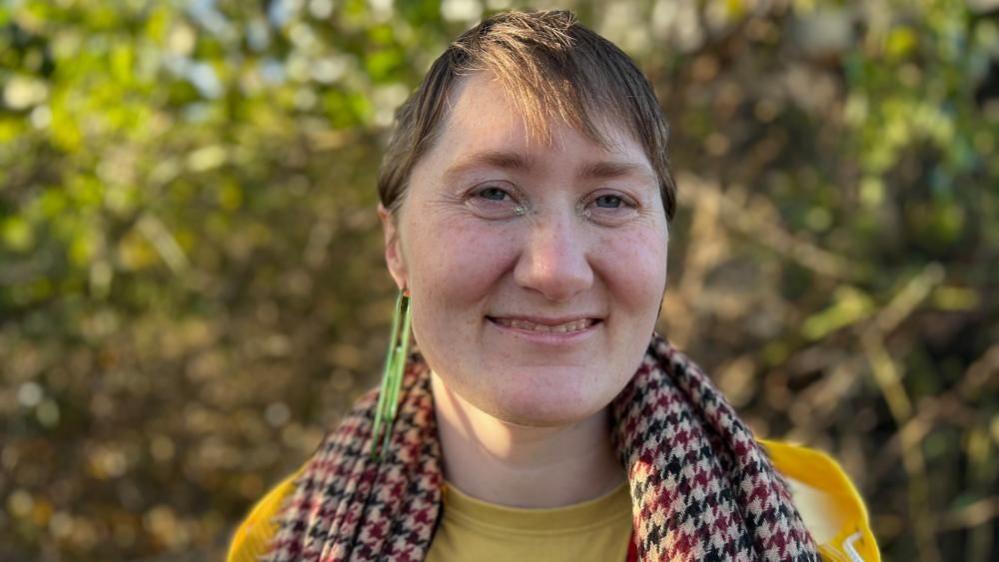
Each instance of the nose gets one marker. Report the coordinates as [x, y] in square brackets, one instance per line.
[554, 259]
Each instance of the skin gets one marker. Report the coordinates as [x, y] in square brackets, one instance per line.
[536, 270]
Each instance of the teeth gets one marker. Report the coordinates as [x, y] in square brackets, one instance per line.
[574, 326]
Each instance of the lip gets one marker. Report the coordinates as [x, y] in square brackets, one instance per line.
[546, 338]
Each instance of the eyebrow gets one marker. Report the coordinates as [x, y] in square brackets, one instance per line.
[515, 161]
[491, 159]
[611, 169]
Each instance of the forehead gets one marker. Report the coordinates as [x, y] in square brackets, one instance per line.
[481, 114]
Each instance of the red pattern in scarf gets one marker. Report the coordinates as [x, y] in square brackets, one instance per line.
[701, 486]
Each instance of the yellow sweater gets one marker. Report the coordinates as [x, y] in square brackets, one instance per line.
[599, 529]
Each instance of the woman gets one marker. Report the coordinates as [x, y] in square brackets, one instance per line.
[526, 198]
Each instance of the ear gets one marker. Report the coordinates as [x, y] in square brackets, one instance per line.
[393, 248]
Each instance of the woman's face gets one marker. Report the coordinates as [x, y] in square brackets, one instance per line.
[536, 269]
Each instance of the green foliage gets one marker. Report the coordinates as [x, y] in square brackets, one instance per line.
[192, 287]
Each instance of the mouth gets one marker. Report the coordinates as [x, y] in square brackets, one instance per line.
[545, 325]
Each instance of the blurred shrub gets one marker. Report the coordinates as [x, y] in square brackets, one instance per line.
[192, 287]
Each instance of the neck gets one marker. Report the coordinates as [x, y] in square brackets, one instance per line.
[523, 466]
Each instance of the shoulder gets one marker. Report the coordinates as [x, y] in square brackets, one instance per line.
[828, 502]
[824, 495]
[253, 536]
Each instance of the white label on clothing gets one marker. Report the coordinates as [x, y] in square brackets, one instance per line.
[848, 547]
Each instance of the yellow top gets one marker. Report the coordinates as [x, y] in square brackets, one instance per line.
[475, 530]
[472, 529]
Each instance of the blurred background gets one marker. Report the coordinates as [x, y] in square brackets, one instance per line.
[192, 287]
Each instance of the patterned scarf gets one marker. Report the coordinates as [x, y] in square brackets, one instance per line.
[701, 486]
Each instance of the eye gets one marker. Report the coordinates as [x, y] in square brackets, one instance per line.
[495, 200]
[611, 209]
[609, 202]
[492, 193]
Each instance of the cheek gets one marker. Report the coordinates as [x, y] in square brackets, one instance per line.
[635, 265]
[459, 262]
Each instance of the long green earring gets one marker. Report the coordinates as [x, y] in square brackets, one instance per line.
[395, 364]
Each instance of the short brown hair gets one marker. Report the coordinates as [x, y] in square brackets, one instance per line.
[553, 67]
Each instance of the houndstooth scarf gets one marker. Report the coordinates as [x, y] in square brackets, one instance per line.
[701, 486]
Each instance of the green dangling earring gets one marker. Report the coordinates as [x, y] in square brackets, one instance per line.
[395, 364]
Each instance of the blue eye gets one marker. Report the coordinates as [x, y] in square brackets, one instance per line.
[493, 193]
[611, 209]
[609, 202]
[495, 200]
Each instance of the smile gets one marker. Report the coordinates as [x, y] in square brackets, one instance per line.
[543, 326]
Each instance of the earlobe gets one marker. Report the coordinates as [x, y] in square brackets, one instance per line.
[393, 247]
